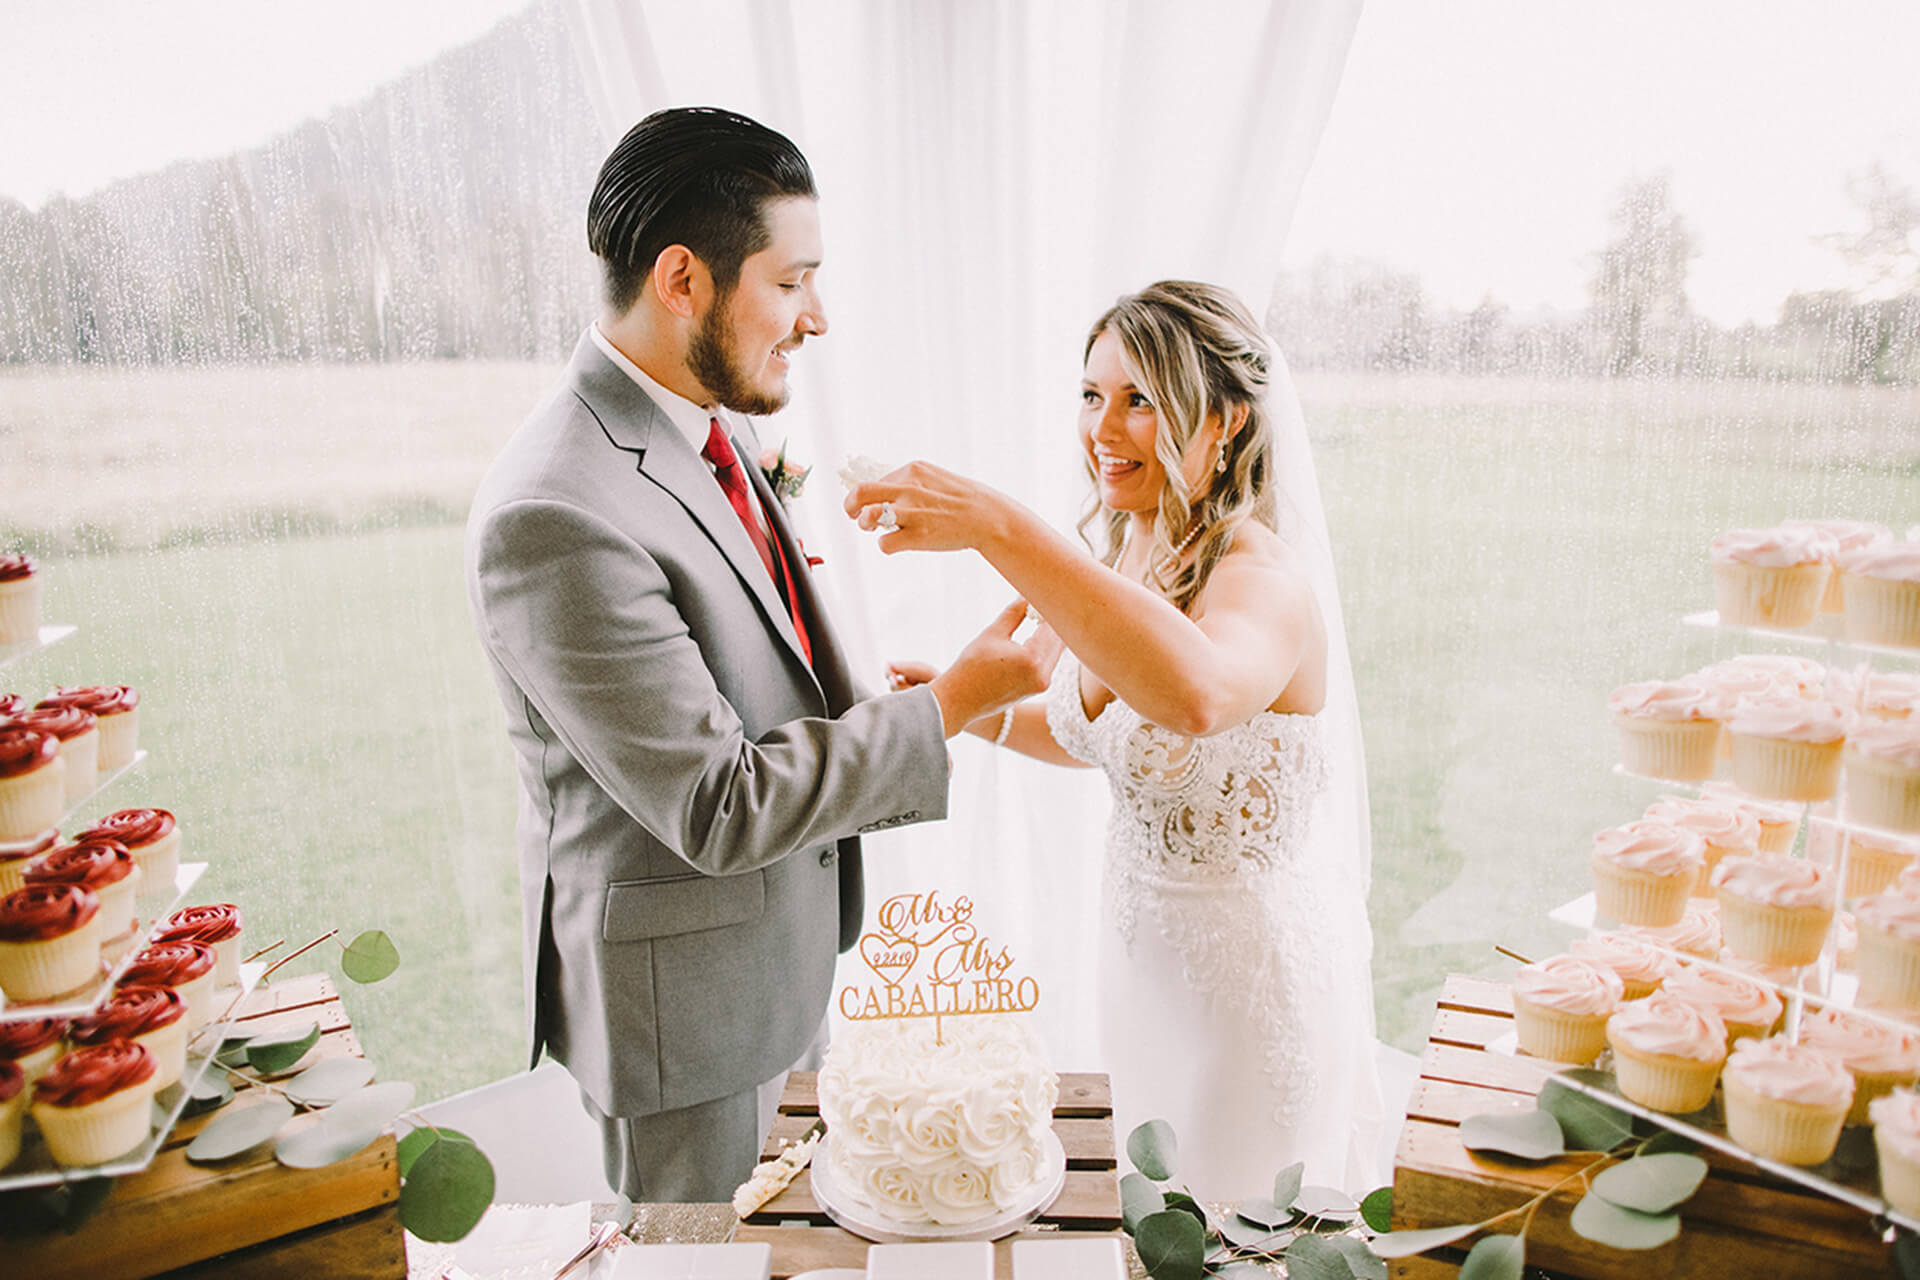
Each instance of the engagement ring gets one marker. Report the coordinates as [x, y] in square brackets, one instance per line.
[887, 519]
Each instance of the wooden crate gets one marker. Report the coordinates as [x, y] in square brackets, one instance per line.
[267, 1220]
[1741, 1222]
[804, 1238]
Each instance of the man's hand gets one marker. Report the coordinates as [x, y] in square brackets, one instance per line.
[994, 671]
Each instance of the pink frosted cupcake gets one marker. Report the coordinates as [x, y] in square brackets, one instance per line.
[1667, 728]
[1640, 966]
[1881, 587]
[1746, 1005]
[34, 1043]
[152, 1016]
[1697, 934]
[1786, 1101]
[1882, 775]
[1768, 577]
[1736, 679]
[1888, 962]
[1643, 872]
[33, 783]
[1896, 1137]
[1560, 1008]
[1880, 1056]
[1788, 749]
[49, 941]
[1779, 822]
[1837, 538]
[1722, 827]
[1886, 695]
[1774, 910]
[116, 712]
[1667, 1052]
[1875, 863]
[150, 835]
[107, 869]
[19, 601]
[96, 1103]
[16, 858]
[79, 746]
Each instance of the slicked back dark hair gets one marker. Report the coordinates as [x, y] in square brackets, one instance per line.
[694, 176]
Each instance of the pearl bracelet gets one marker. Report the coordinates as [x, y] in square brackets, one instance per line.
[1006, 727]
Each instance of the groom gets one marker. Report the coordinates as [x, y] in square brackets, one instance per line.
[696, 763]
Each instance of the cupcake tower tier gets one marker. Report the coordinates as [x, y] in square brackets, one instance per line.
[107, 779]
[49, 636]
[153, 910]
[35, 1166]
[1823, 631]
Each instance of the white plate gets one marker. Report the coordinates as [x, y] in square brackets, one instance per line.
[864, 1222]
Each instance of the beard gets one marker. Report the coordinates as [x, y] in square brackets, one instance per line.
[710, 359]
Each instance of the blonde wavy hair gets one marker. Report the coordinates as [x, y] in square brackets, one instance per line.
[1194, 350]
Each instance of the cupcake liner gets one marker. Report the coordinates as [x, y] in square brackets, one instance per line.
[99, 1131]
[1899, 1178]
[119, 738]
[159, 871]
[1871, 868]
[1772, 935]
[1750, 595]
[1681, 750]
[13, 874]
[1639, 897]
[1881, 610]
[82, 754]
[1881, 793]
[199, 997]
[12, 1112]
[1777, 834]
[1673, 1085]
[1778, 769]
[32, 802]
[119, 906]
[168, 1045]
[226, 962]
[1557, 1036]
[1868, 1085]
[1888, 968]
[20, 610]
[43, 969]
[1790, 1132]
[40, 1061]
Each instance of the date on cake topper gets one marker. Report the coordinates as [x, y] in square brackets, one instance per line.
[933, 962]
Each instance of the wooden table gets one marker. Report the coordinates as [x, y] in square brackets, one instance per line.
[804, 1238]
[1740, 1223]
[250, 1216]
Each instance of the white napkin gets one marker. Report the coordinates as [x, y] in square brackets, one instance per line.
[512, 1242]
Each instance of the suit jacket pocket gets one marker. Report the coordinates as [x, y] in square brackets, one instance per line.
[639, 909]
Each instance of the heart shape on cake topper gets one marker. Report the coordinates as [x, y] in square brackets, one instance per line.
[891, 958]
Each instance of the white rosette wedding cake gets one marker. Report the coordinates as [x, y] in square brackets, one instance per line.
[930, 1133]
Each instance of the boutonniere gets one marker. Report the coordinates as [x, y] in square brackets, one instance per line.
[783, 477]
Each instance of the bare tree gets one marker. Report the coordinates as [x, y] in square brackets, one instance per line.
[1640, 284]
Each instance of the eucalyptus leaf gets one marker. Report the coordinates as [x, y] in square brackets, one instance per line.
[209, 1093]
[327, 1141]
[1241, 1233]
[1139, 1198]
[1171, 1244]
[370, 957]
[1278, 1241]
[1667, 1141]
[1587, 1123]
[374, 1105]
[419, 1139]
[240, 1130]
[1529, 1135]
[1154, 1150]
[1377, 1209]
[328, 1081]
[1184, 1203]
[1495, 1258]
[1404, 1244]
[277, 1051]
[1264, 1212]
[233, 1055]
[1362, 1261]
[448, 1192]
[1609, 1224]
[1244, 1271]
[1286, 1184]
[1311, 1258]
[1325, 1202]
[1651, 1184]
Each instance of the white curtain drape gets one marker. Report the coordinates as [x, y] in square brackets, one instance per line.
[992, 175]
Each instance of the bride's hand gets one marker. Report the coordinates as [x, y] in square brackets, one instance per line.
[921, 507]
[906, 675]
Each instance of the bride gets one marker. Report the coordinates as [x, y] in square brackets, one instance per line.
[1234, 991]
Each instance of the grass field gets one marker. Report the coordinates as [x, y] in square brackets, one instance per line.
[285, 584]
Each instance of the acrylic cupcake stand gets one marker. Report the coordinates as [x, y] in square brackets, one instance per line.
[35, 1167]
[1851, 1175]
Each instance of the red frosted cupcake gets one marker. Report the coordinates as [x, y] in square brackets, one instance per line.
[11, 705]
[33, 783]
[79, 736]
[116, 708]
[16, 858]
[152, 1016]
[49, 941]
[95, 1103]
[214, 926]
[106, 868]
[151, 836]
[13, 1108]
[19, 600]
[34, 1043]
[187, 967]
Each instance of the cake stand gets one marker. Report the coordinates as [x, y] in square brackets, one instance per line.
[867, 1222]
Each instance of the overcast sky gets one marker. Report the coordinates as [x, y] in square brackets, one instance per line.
[1475, 142]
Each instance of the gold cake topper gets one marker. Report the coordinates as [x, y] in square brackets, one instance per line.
[933, 962]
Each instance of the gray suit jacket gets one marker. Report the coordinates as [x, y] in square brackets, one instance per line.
[690, 790]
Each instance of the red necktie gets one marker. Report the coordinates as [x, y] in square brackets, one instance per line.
[726, 469]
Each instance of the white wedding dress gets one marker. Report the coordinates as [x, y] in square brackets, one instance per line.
[1233, 972]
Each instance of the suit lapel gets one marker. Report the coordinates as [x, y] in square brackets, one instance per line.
[829, 664]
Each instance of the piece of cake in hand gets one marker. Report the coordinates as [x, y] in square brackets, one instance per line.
[1561, 1005]
[33, 783]
[19, 600]
[1788, 749]
[1667, 1052]
[1774, 911]
[35, 1043]
[1882, 771]
[107, 869]
[215, 926]
[152, 1016]
[1896, 1139]
[1768, 577]
[1644, 872]
[187, 967]
[1722, 828]
[94, 1105]
[151, 836]
[1880, 586]
[1887, 961]
[1641, 966]
[1786, 1101]
[1748, 1006]
[1667, 728]
[49, 941]
[1880, 1056]
[79, 737]
[116, 712]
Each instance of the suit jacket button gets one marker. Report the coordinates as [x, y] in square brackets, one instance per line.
[826, 857]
